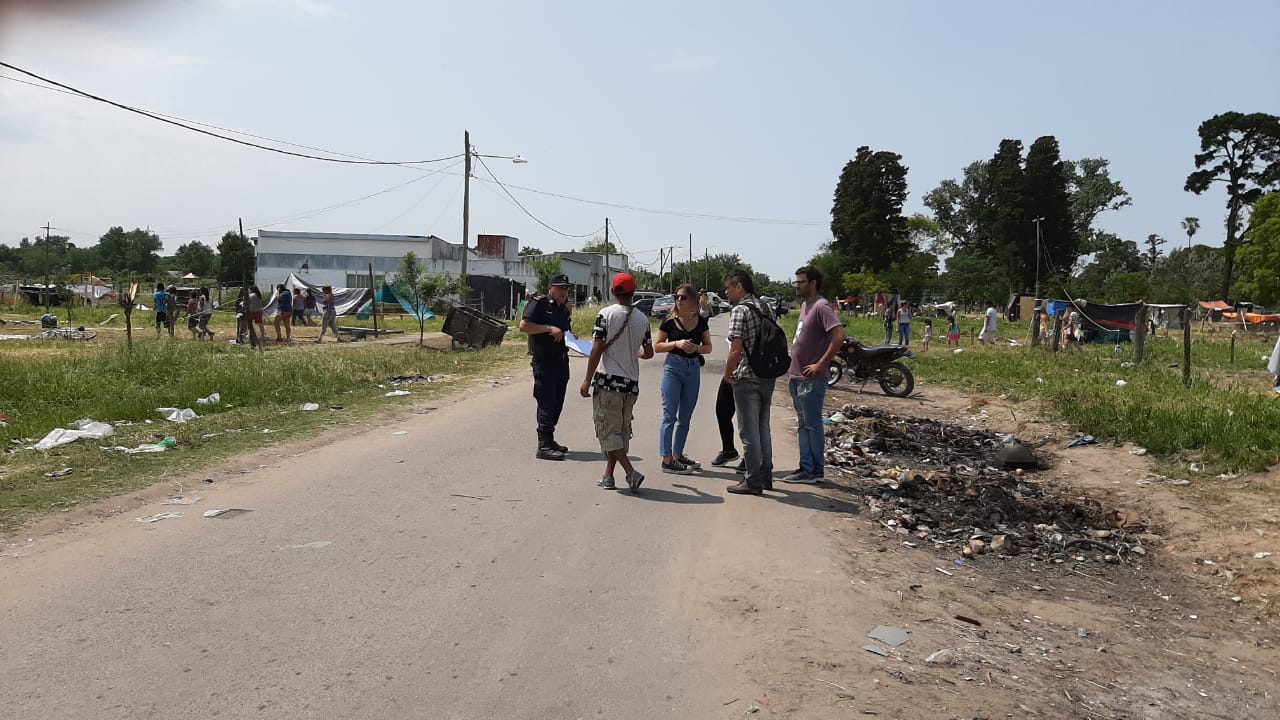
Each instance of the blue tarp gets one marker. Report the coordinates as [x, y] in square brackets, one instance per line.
[387, 294]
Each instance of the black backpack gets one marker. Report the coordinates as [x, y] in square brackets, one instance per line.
[767, 354]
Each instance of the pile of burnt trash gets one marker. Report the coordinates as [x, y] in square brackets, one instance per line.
[968, 492]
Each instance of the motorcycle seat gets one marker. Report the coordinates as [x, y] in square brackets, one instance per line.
[872, 352]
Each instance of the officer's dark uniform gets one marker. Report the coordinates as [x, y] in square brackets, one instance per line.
[550, 367]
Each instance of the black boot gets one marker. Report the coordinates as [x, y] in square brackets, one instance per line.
[551, 443]
[547, 449]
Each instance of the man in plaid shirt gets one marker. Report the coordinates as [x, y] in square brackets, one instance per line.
[752, 395]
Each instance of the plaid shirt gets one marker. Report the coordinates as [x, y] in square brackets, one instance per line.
[745, 324]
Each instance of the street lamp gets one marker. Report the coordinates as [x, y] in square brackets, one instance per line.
[467, 153]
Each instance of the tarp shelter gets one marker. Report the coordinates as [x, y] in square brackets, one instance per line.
[387, 294]
[1166, 316]
[1214, 305]
[1107, 323]
[345, 300]
[191, 276]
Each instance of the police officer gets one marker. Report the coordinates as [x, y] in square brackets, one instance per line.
[545, 321]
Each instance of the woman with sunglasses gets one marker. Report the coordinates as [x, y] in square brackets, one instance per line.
[685, 337]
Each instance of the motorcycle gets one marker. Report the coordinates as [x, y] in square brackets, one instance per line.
[881, 364]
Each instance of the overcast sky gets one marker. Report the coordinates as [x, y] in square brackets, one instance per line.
[734, 109]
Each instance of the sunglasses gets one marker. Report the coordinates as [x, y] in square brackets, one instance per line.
[684, 297]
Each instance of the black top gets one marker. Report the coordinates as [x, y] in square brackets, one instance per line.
[542, 310]
[671, 326]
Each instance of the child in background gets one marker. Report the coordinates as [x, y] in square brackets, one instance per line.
[928, 334]
[953, 332]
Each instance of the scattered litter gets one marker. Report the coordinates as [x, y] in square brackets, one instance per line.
[225, 512]
[59, 473]
[310, 545]
[876, 649]
[752, 709]
[838, 418]
[166, 444]
[944, 572]
[889, 635]
[213, 399]
[400, 432]
[396, 393]
[946, 656]
[1139, 451]
[177, 416]
[969, 620]
[83, 429]
[308, 407]
[180, 501]
[335, 407]
[1261, 555]
[111, 317]
[1082, 439]
[1121, 383]
[957, 351]
[160, 516]
[404, 379]
[268, 431]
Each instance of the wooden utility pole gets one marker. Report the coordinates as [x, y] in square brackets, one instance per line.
[466, 206]
[688, 269]
[1057, 328]
[671, 254]
[1140, 336]
[606, 256]
[1186, 346]
[373, 304]
[244, 298]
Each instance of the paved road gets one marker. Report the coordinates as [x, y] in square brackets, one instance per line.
[362, 585]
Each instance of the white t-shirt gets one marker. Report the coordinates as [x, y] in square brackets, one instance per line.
[990, 325]
[619, 368]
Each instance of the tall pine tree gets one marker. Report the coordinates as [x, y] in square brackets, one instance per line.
[867, 223]
[1002, 221]
[1048, 197]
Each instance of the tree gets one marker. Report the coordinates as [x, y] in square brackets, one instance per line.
[546, 269]
[831, 264]
[195, 257]
[598, 245]
[1126, 287]
[527, 250]
[1190, 225]
[421, 289]
[866, 217]
[1186, 276]
[863, 284]
[1048, 198]
[973, 278]
[236, 253]
[1093, 192]
[1242, 151]
[1114, 257]
[135, 251]
[708, 271]
[957, 205]
[1153, 252]
[1003, 232]
[1260, 258]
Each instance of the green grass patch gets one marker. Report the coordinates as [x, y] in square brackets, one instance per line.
[48, 385]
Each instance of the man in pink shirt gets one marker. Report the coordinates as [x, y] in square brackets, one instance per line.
[819, 336]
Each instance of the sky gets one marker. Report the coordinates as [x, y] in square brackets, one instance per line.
[746, 111]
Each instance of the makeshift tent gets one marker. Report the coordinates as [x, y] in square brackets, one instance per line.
[1166, 316]
[387, 294]
[345, 300]
[1214, 305]
[1107, 323]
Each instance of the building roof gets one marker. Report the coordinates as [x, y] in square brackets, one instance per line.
[347, 236]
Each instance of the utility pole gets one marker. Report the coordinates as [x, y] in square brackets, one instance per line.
[671, 253]
[1035, 299]
[1037, 222]
[47, 228]
[466, 204]
[244, 297]
[688, 269]
[606, 256]
[706, 268]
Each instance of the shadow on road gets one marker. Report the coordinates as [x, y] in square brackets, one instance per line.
[698, 497]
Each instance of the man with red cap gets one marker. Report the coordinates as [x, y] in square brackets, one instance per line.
[621, 338]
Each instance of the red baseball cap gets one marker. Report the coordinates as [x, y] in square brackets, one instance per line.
[624, 284]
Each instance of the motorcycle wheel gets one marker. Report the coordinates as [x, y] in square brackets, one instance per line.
[896, 380]
[834, 373]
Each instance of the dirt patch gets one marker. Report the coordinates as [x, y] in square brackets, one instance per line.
[1184, 629]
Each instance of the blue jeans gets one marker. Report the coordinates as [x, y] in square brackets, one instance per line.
[807, 396]
[681, 380]
[904, 334]
[753, 396]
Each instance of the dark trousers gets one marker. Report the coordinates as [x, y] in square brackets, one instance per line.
[550, 381]
[724, 416]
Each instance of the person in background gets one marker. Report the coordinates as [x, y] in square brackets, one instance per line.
[988, 334]
[685, 337]
[724, 420]
[953, 330]
[299, 305]
[621, 338]
[1075, 332]
[193, 315]
[284, 313]
[546, 319]
[161, 302]
[819, 336]
[890, 312]
[329, 319]
[255, 311]
[206, 313]
[171, 307]
[904, 324]
[311, 310]
[704, 305]
[928, 334]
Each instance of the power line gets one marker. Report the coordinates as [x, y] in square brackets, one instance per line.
[412, 207]
[526, 210]
[210, 133]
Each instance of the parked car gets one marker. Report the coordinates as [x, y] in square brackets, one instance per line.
[662, 305]
[718, 304]
[643, 301]
[780, 306]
